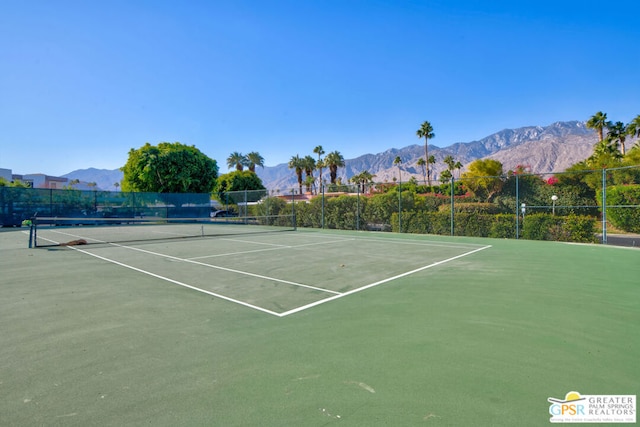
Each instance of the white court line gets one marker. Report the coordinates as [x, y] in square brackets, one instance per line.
[371, 285]
[245, 273]
[264, 250]
[336, 295]
[217, 267]
[255, 307]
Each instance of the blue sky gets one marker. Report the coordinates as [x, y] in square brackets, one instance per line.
[83, 82]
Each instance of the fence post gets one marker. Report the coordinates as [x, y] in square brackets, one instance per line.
[322, 210]
[517, 208]
[358, 209]
[293, 209]
[400, 205]
[452, 206]
[604, 206]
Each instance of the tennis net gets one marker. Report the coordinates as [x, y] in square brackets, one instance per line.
[57, 231]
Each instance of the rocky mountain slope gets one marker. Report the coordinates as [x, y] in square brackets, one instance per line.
[550, 148]
[104, 178]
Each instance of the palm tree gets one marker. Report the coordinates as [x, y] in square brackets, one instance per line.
[397, 162]
[448, 160]
[116, 184]
[445, 176]
[426, 132]
[319, 164]
[616, 135]
[309, 164]
[362, 179]
[237, 160]
[334, 160]
[458, 166]
[254, 159]
[431, 161]
[598, 122]
[297, 164]
[421, 162]
[605, 154]
[633, 128]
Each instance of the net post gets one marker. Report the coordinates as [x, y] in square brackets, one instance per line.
[33, 232]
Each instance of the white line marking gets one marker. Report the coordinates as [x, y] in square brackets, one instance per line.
[255, 307]
[269, 249]
[353, 291]
[246, 273]
[282, 314]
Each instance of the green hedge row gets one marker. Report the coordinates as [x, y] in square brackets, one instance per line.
[571, 228]
[625, 218]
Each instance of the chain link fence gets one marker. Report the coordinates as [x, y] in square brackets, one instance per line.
[578, 206]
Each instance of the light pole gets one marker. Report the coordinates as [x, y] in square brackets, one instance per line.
[553, 200]
[523, 208]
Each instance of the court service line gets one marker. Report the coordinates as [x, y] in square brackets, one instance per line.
[266, 249]
[217, 267]
[246, 273]
[371, 285]
[176, 282]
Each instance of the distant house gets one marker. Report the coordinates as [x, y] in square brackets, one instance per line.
[6, 174]
[40, 180]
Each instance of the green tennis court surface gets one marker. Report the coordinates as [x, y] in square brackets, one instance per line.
[312, 328]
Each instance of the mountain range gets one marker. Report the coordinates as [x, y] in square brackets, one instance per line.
[551, 148]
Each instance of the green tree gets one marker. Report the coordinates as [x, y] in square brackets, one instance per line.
[334, 160]
[237, 160]
[237, 181]
[297, 164]
[598, 122]
[633, 128]
[254, 159]
[362, 179]
[422, 163]
[484, 178]
[426, 132]
[445, 176]
[397, 162]
[458, 166]
[309, 166]
[431, 161]
[605, 155]
[319, 163]
[169, 168]
[450, 162]
[617, 134]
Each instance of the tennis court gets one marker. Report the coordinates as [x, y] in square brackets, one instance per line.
[258, 267]
[310, 328]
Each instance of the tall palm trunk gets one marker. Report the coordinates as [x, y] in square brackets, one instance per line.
[426, 158]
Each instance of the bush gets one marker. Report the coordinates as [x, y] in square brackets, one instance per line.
[464, 207]
[503, 226]
[624, 218]
[571, 228]
[580, 228]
